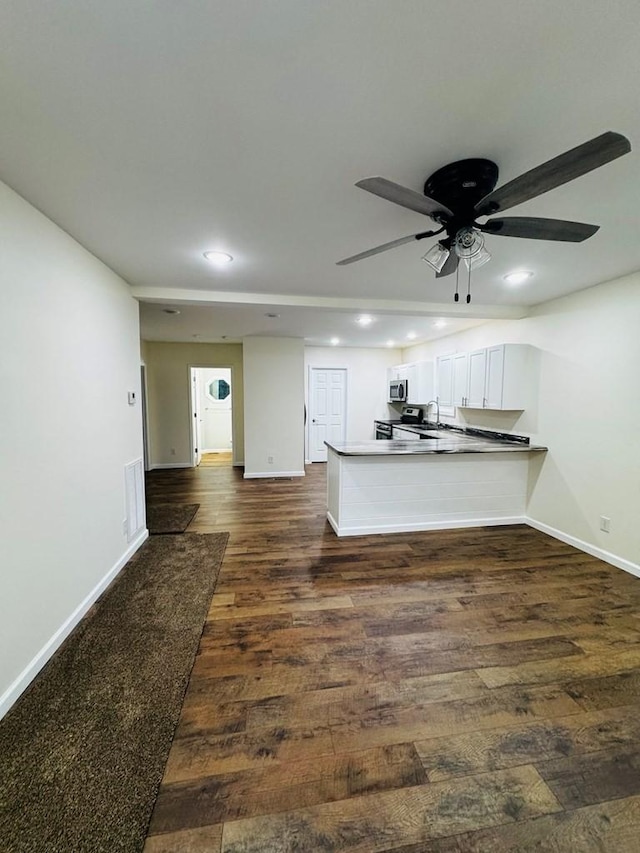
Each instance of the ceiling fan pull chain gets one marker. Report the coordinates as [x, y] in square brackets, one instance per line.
[457, 295]
[469, 285]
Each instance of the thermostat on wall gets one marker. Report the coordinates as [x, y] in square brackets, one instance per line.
[132, 398]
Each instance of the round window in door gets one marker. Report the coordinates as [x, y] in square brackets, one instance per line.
[218, 389]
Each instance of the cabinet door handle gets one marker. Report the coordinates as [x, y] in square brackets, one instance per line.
[484, 402]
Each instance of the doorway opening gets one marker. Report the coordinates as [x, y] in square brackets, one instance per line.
[211, 416]
[145, 418]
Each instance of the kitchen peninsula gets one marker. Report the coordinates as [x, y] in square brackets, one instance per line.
[442, 479]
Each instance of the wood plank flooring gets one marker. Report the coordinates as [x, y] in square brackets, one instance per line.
[440, 692]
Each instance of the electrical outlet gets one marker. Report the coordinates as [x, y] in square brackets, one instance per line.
[172, 451]
[270, 460]
[605, 524]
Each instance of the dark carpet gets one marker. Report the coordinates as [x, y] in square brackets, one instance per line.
[170, 518]
[83, 751]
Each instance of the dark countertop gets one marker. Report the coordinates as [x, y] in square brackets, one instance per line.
[453, 431]
[442, 441]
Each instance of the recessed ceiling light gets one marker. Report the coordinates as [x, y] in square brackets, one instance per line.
[440, 324]
[171, 310]
[518, 276]
[335, 342]
[365, 320]
[390, 343]
[220, 259]
[412, 336]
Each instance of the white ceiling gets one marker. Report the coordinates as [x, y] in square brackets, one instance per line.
[153, 132]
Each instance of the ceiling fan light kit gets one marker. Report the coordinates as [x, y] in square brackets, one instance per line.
[459, 193]
[436, 257]
[469, 246]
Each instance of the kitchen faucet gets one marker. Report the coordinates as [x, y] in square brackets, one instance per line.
[437, 405]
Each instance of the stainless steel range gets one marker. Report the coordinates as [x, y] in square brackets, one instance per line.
[384, 429]
[410, 415]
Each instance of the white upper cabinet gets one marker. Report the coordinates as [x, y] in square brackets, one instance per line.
[495, 396]
[425, 378]
[497, 377]
[411, 376]
[421, 382]
[403, 371]
[460, 369]
[476, 391]
[419, 378]
[444, 380]
[510, 376]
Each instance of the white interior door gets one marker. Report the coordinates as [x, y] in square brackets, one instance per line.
[327, 409]
[196, 423]
[215, 409]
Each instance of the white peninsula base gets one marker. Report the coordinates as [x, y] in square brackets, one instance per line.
[395, 493]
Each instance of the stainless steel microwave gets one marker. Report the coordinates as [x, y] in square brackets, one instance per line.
[398, 391]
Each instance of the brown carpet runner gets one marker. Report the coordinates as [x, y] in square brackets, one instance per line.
[83, 750]
[170, 518]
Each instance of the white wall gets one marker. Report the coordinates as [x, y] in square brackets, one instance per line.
[69, 354]
[274, 406]
[215, 415]
[588, 410]
[366, 383]
[169, 406]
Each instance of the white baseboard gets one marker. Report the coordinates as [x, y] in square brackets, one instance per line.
[15, 690]
[333, 523]
[269, 475]
[587, 547]
[171, 465]
[422, 525]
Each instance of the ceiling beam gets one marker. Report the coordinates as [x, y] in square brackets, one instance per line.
[475, 310]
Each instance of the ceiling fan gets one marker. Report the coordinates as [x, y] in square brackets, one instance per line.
[458, 194]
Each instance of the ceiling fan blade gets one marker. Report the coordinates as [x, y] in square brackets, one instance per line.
[578, 161]
[383, 248]
[404, 197]
[450, 265]
[534, 228]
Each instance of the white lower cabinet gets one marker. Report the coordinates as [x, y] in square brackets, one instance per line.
[401, 434]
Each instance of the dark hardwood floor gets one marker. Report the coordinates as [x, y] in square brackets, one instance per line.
[474, 690]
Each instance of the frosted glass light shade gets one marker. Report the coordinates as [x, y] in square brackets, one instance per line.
[479, 259]
[436, 257]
